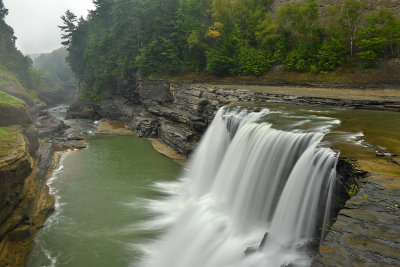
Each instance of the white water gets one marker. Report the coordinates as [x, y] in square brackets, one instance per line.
[245, 179]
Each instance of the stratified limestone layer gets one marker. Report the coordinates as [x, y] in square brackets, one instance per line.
[367, 230]
[167, 151]
[25, 202]
[15, 165]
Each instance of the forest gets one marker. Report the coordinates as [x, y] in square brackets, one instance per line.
[11, 59]
[48, 74]
[222, 38]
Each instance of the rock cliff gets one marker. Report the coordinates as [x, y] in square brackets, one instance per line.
[178, 113]
[29, 137]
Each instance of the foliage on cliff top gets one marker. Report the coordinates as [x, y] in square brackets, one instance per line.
[10, 101]
[218, 37]
[54, 67]
[16, 71]
[10, 57]
[9, 139]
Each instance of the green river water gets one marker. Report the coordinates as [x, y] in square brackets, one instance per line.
[96, 191]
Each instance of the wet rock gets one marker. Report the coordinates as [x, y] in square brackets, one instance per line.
[31, 135]
[45, 157]
[14, 116]
[15, 166]
[155, 91]
[178, 136]
[20, 235]
[145, 126]
[69, 145]
[84, 110]
[75, 136]
[366, 230]
[263, 241]
[250, 250]
[48, 126]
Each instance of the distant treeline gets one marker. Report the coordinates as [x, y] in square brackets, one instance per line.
[222, 38]
[50, 73]
[54, 66]
[11, 59]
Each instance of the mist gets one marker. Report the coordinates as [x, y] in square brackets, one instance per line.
[35, 22]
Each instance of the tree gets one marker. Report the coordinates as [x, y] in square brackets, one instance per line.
[3, 10]
[380, 38]
[69, 19]
[348, 17]
[10, 57]
[301, 19]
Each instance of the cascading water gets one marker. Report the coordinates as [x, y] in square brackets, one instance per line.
[245, 179]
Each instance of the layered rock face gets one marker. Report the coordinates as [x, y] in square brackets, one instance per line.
[15, 165]
[29, 137]
[25, 202]
[178, 113]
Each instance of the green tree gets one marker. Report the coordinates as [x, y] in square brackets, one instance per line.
[301, 19]
[70, 20]
[347, 16]
[380, 38]
[3, 10]
[10, 57]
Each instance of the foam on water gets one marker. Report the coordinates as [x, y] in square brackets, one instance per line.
[245, 179]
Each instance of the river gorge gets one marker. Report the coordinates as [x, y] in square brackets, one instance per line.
[118, 194]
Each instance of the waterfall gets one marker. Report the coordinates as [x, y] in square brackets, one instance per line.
[246, 181]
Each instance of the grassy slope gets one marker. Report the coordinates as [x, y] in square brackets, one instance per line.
[10, 101]
[9, 139]
[10, 84]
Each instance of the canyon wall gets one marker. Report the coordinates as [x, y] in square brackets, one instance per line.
[29, 138]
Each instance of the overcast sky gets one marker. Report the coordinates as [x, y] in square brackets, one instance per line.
[35, 22]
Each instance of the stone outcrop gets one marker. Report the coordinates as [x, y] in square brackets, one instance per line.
[15, 165]
[14, 116]
[366, 230]
[24, 199]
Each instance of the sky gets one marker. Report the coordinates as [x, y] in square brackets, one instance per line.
[35, 22]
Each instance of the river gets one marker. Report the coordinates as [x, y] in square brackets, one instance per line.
[100, 191]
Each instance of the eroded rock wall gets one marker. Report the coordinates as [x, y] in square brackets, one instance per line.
[27, 154]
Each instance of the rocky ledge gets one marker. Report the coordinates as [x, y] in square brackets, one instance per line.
[366, 231]
[178, 113]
